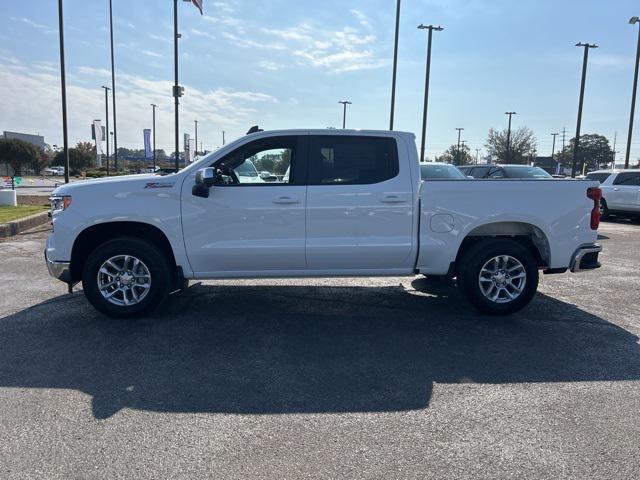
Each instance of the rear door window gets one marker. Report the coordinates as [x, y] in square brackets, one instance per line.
[351, 160]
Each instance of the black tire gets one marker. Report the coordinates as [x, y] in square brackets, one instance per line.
[151, 257]
[477, 256]
[604, 210]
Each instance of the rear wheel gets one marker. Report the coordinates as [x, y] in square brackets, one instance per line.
[125, 278]
[604, 210]
[498, 276]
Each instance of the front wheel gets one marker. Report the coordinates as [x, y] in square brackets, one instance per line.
[125, 278]
[499, 276]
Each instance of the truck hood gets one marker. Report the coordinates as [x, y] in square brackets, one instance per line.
[128, 182]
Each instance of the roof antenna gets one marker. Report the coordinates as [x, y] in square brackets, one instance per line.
[254, 129]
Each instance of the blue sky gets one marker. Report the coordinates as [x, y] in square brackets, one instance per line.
[286, 63]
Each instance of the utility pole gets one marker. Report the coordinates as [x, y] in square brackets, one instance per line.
[344, 112]
[196, 152]
[509, 136]
[615, 140]
[430, 28]
[106, 114]
[633, 21]
[576, 145]
[113, 92]
[222, 137]
[564, 134]
[153, 106]
[63, 85]
[458, 153]
[395, 66]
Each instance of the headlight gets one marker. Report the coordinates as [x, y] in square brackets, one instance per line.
[59, 203]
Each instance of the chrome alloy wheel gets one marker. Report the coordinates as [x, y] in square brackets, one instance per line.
[502, 279]
[124, 280]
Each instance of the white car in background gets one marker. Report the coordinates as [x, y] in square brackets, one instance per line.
[620, 191]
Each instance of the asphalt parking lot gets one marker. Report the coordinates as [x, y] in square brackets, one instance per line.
[357, 378]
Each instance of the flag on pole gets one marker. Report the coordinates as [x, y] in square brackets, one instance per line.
[198, 4]
[148, 155]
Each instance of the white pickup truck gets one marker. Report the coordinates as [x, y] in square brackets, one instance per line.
[350, 203]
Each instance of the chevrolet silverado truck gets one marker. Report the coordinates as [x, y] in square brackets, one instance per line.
[349, 203]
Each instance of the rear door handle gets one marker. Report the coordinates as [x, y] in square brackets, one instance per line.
[616, 189]
[392, 199]
[286, 200]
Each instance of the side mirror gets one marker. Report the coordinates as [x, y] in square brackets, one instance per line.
[206, 177]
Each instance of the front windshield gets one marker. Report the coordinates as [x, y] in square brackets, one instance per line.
[525, 172]
[434, 172]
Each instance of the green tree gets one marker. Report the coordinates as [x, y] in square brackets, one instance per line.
[18, 154]
[452, 155]
[81, 157]
[594, 152]
[521, 143]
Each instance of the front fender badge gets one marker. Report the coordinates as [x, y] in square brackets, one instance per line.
[159, 185]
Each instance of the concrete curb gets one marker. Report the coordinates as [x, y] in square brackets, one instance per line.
[22, 224]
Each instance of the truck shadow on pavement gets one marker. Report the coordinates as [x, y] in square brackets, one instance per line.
[300, 349]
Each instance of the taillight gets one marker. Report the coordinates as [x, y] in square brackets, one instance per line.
[595, 194]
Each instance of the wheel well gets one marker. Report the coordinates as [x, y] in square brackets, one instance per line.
[90, 238]
[529, 236]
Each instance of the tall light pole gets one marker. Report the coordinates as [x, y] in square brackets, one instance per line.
[222, 137]
[458, 152]
[344, 112]
[509, 136]
[395, 66]
[553, 146]
[633, 21]
[177, 93]
[196, 152]
[154, 106]
[576, 144]
[106, 115]
[477, 155]
[63, 85]
[430, 28]
[113, 92]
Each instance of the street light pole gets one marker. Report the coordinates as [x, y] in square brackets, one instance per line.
[576, 144]
[222, 137]
[196, 149]
[344, 112]
[113, 92]
[153, 106]
[458, 153]
[553, 146]
[477, 155]
[63, 86]
[509, 136]
[633, 21]
[106, 115]
[431, 28]
[176, 86]
[395, 66]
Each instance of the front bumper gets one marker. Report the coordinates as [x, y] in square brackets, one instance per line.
[59, 270]
[585, 258]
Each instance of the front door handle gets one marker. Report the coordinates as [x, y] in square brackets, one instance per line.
[285, 200]
[392, 199]
[616, 189]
